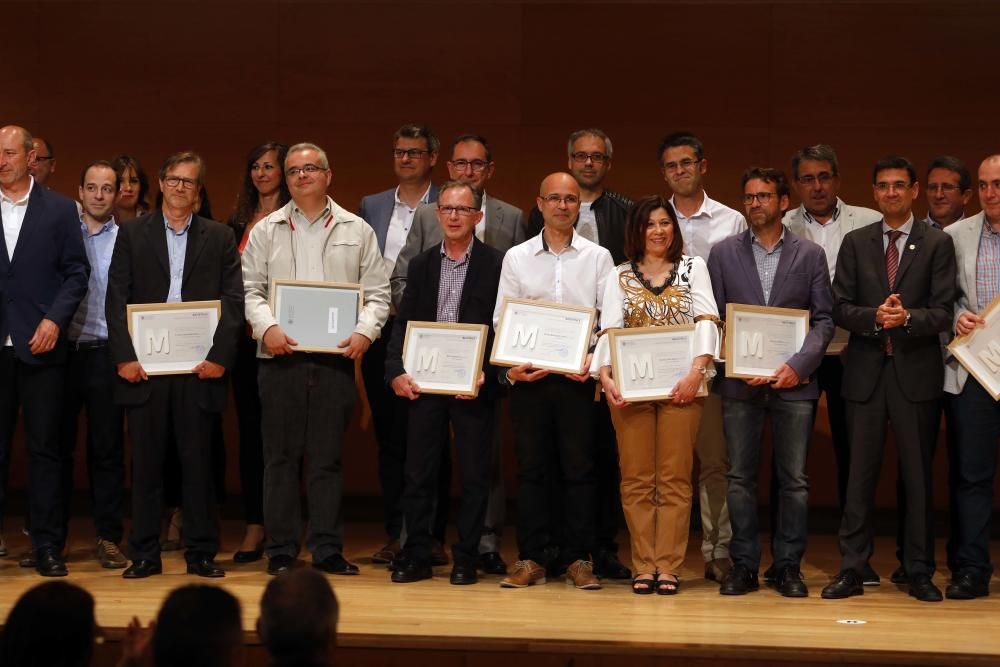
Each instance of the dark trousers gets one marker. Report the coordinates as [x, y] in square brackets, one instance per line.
[472, 423]
[552, 417]
[173, 475]
[173, 402]
[977, 418]
[247, 400]
[791, 423]
[914, 426]
[38, 390]
[89, 382]
[306, 402]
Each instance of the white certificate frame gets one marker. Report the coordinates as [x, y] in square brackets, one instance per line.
[739, 316]
[195, 322]
[459, 340]
[566, 331]
[657, 343]
[303, 307]
[979, 351]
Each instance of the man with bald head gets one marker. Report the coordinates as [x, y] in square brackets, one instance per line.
[43, 277]
[551, 411]
[44, 163]
[976, 413]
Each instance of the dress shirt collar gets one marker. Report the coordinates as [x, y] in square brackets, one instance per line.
[107, 226]
[837, 210]
[781, 239]
[423, 200]
[540, 244]
[187, 225]
[905, 228]
[707, 208]
[465, 255]
[22, 200]
[327, 210]
[937, 225]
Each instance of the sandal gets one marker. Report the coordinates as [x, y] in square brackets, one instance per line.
[641, 580]
[665, 586]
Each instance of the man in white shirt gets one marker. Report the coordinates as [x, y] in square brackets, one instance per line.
[949, 189]
[703, 222]
[551, 412]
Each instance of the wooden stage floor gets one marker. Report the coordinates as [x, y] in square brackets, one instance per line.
[433, 622]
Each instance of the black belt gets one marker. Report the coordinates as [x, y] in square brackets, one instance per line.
[88, 344]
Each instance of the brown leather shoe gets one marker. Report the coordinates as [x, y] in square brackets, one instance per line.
[581, 575]
[524, 573]
[388, 553]
[716, 570]
[109, 555]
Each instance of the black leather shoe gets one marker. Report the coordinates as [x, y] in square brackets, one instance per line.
[48, 563]
[336, 564]
[898, 576]
[922, 588]
[410, 571]
[869, 577]
[967, 585]
[790, 584]
[140, 569]
[248, 556]
[846, 584]
[492, 563]
[463, 574]
[607, 566]
[739, 581]
[27, 559]
[205, 567]
[280, 563]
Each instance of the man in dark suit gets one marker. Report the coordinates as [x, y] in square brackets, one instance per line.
[768, 265]
[43, 277]
[169, 256]
[894, 292]
[455, 281]
[390, 213]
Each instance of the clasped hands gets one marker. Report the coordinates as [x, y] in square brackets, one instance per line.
[891, 313]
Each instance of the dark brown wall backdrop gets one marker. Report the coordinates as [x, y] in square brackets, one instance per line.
[755, 80]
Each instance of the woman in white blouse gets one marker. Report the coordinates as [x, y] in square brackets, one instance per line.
[658, 286]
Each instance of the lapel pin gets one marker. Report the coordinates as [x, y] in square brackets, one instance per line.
[913, 247]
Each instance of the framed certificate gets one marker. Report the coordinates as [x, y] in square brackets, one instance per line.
[444, 357]
[979, 351]
[317, 315]
[759, 338]
[553, 336]
[172, 338]
[647, 362]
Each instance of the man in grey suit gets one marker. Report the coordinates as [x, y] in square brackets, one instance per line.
[390, 213]
[976, 413]
[768, 265]
[502, 228]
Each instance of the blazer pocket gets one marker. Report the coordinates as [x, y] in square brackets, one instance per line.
[342, 256]
[796, 290]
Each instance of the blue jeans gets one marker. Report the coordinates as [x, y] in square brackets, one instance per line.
[791, 422]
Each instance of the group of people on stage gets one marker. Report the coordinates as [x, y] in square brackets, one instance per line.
[885, 292]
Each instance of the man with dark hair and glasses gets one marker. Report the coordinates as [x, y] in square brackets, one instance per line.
[456, 281]
[703, 222]
[169, 256]
[44, 163]
[390, 213]
[894, 291]
[769, 265]
[500, 227]
[307, 399]
[949, 189]
[823, 218]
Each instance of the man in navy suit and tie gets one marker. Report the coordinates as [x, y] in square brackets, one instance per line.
[43, 277]
[768, 265]
[390, 214]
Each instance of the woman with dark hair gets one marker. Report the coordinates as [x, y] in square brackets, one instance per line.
[263, 191]
[658, 286]
[133, 188]
[51, 625]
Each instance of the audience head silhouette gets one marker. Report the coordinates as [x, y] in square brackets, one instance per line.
[298, 619]
[51, 625]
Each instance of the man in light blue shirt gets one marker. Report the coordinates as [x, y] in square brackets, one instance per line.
[90, 373]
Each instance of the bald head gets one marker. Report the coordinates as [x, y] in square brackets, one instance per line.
[16, 154]
[989, 188]
[559, 201]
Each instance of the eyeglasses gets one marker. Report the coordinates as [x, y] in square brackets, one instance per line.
[412, 153]
[596, 158]
[477, 165]
[555, 200]
[762, 197]
[464, 211]
[308, 169]
[686, 164]
[810, 180]
[42, 158]
[180, 183]
[943, 188]
[898, 186]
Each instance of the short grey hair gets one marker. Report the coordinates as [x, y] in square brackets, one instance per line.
[477, 198]
[590, 132]
[817, 153]
[307, 146]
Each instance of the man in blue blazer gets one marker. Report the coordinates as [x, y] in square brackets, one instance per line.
[43, 276]
[768, 265]
[390, 213]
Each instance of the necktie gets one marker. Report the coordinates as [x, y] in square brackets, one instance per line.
[891, 267]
